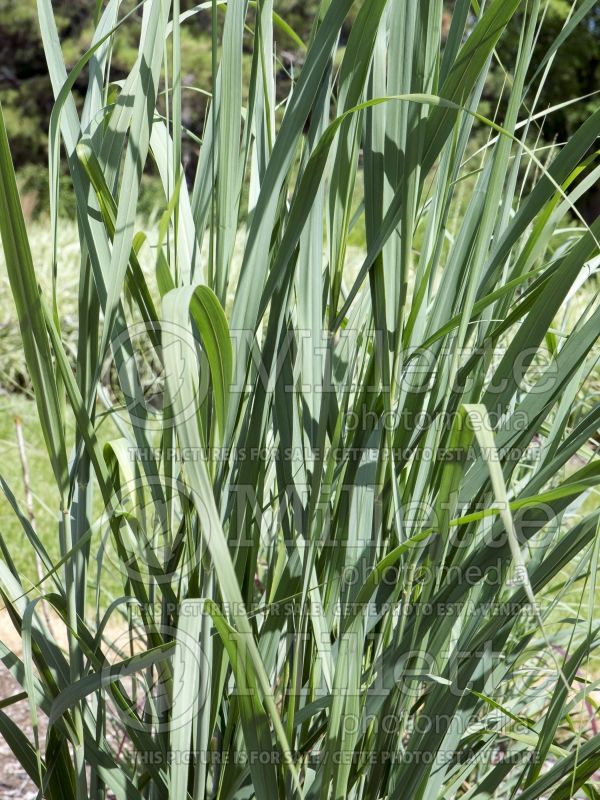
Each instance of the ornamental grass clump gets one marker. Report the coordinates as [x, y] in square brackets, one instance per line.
[350, 506]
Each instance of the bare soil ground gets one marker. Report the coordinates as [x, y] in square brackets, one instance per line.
[14, 781]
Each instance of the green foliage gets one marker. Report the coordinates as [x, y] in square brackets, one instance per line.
[351, 507]
[26, 93]
[575, 74]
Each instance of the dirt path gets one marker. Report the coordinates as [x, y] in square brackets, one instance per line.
[14, 781]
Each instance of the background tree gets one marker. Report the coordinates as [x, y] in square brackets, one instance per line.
[26, 95]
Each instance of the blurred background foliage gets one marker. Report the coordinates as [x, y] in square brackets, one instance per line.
[27, 99]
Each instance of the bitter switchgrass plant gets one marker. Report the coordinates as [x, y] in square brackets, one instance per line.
[347, 503]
